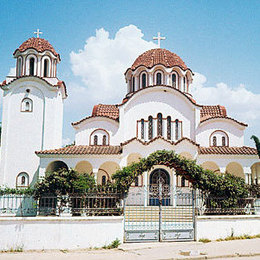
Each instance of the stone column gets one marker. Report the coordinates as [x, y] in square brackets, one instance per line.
[146, 188]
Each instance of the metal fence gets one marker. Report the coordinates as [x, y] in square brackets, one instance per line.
[94, 203]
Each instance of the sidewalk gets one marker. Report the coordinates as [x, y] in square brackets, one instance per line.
[212, 250]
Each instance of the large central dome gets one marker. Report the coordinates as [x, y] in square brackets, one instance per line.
[159, 56]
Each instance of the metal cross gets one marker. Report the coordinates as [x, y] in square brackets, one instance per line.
[159, 38]
[38, 33]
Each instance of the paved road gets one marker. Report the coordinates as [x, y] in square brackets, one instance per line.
[151, 251]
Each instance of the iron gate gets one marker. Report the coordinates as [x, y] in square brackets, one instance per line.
[159, 213]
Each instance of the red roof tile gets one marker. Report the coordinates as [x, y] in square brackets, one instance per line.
[228, 150]
[84, 149]
[212, 111]
[38, 44]
[159, 56]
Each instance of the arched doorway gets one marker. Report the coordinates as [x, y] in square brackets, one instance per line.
[56, 166]
[159, 189]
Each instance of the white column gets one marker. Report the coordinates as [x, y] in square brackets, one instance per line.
[95, 174]
[146, 188]
[173, 195]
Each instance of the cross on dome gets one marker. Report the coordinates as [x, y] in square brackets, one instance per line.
[159, 38]
[38, 33]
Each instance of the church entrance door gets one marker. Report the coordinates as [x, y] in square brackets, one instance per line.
[159, 189]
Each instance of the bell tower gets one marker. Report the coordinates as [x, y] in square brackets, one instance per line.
[32, 112]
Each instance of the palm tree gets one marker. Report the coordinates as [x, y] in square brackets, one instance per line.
[257, 144]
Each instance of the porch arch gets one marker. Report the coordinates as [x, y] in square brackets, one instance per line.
[56, 166]
[235, 169]
[133, 158]
[212, 166]
[186, 155]
[255, 170]
[107, 169]
[84, 167]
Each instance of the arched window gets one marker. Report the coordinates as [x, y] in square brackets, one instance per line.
[133, 84]
[46, 68]
[174, 80]
[159, 78]
[27, 105]
[214, 141]
[104, 180]
[104, 140]
[182, 181]
[31, 71]
[95, 139]
[159, 124]
[223, 141]
[136, 182]
[19, 67]
[143, 80]
[169, 128]
[184, 84]
[142, 129]
[150, 127]
[22, 180]
[177, 129]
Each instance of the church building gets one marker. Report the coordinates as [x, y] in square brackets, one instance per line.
[158, 112]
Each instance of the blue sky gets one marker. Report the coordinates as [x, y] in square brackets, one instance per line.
[218, 39]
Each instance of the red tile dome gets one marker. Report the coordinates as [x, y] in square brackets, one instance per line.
[38, 44]
[159, 56]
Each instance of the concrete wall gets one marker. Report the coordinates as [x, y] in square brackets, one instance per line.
[59, 232]
[214, 227]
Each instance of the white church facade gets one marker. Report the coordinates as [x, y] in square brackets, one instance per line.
[158, 112]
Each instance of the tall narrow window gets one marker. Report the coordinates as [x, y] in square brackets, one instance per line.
[95, 139]
[27, 106]
[184, 84]
[182, 181]
[143, 80]
[23, 180]
[177, 129]
[174, 80]
[142, 129]
[104, 140]
[159, 124]
[223, 141]
[31, 66]
[169, 128]
[159, 78]
[133, 84]
[104, 180]
[19, 67]
[150, 127]
[214, 141]
[136, 182]
[46, 68]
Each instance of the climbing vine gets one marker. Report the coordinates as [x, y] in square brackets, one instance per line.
[227, 186]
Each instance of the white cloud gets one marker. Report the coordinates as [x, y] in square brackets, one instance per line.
[240, 102]
[103, 61]
[12, 71]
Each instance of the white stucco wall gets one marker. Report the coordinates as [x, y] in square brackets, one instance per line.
[59, 232]
[24, 133]
[214, 227]
[234, 131]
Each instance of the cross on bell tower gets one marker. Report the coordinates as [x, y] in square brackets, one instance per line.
[159, 38]
[38, 33]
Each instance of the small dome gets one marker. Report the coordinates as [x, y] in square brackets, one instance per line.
[38, 44]
[159, 56]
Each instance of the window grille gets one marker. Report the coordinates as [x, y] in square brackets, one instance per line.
[169, 128]
[159, 78]
[142, 129]
[159, 124]
[177, 129]
[214, 141]
[104, 141]
[150, 126]
[104, 180]
[223, 141]
[95, 139]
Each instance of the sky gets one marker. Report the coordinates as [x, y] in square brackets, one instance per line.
[99, 40]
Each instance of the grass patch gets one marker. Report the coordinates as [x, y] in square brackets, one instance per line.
[13, 250]
[113, 244]
[245, 236]
[204, 240]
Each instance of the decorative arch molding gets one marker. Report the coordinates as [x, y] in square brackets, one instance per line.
[156, 77]
[220, 141]
[100, 135]
[143, 84]
[235, 169]
[49, 68]
[27, 64]
[84, 167]
[22, 180]
[26, 105]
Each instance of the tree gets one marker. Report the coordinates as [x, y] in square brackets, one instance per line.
[257, 144]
